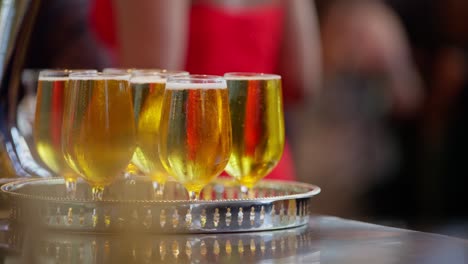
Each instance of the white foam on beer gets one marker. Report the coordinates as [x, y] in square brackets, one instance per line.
[101, 77]
[52, 79]
[188, 86]
[249, 77]
[148, 79]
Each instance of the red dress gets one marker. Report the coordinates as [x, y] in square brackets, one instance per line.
[222, 41]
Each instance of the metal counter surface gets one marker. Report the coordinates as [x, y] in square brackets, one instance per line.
[324, 240]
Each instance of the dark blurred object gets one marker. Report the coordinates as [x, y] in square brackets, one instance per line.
[426, 186]
[370, 80]
[433, 175]
[62, 38]
[16, 23]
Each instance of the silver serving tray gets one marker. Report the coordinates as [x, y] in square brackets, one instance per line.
[133, 206]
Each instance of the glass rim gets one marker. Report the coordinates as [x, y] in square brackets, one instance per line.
[118, 70]
[154, 76]
[61, 73]
[195, 81]
[99, 76]
[159, 71]
[196, 78]
[251, 76]
[146, 70]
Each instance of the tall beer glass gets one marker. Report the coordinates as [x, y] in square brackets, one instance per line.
[131, 169]
[257, 125]
[195, 130]
[98, 134]
[51, 93]
[147, 95]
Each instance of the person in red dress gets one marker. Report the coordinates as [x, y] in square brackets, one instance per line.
[218, 36]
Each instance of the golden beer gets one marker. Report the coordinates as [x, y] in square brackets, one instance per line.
[257, 126]
[195, 130]
[147, 98]
[99, 134]
[48, 124]
[147, 95]
[47, 134]
[131, 168]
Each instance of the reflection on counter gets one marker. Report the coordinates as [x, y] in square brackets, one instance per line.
[324, 240]
[54, 247]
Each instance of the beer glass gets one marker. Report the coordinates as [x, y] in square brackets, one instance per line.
[147, 96]
[47, 132]
[98, 135]
[257, 120]
[195, 130]
[131, 168]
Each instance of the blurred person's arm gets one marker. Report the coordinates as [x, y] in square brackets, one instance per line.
[152, 33]
[367, 38]
[301, 52]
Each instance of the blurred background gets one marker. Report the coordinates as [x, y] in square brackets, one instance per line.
[376, 91]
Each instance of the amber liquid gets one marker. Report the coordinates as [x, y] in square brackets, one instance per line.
[99, 134]
[51, 95]
[195, 135]
[257, 129]
[147, 101]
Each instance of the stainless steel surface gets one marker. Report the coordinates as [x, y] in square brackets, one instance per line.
[323, 240]
[11, 16]
[16, 24]
[133, 206]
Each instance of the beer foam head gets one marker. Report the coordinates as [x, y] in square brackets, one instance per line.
[61, 74]
[52, 79]
[148, 79]
[187, 86]
[154, 75]
[251, 76]
[118, 70]
[100, 76]
[53, 75]
[195, 82]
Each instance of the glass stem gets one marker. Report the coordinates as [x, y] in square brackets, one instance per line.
[194, 195]
[158, 190]
[130, 171]
[251, 194]
[244, 191]
[70, 185]
[98, 192]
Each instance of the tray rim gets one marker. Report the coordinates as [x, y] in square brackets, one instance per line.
[11, 188]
